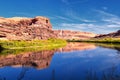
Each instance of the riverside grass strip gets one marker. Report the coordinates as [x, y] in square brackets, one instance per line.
[31, 44]
[99, 40]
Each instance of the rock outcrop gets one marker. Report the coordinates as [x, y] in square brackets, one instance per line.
[26, 28]
[22, 28]
[76, 35]
[110, 35]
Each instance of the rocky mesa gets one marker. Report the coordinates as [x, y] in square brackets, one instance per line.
[22, 28]
[110, 35]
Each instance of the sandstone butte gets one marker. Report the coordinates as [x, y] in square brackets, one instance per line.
[22, 28]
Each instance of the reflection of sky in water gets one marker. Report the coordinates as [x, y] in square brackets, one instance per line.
[72, 66]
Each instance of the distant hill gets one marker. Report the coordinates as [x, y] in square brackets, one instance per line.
[113, 35]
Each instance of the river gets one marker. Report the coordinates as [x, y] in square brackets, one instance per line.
[76, 61]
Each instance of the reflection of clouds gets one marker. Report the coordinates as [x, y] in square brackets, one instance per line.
[99, 58]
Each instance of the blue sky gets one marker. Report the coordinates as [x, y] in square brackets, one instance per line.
[98, 16]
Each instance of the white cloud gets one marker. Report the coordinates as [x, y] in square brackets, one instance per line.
[73, 2]
[64, 18]
[85, 20]
[113, 20]
[106, 14]
[107, 22]
[96, 28]
[73, 15]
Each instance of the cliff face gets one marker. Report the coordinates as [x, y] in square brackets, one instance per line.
[113, 35]
[21, 28]
[25, 28]
[70, 35]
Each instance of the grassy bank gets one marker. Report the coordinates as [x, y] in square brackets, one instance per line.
[34, 45]
[99, 40]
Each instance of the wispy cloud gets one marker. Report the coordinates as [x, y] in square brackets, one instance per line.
[105, 14]
[85, 20]
[64, 18]
[109, 18]
[111, 23]
[73, 15]
[104, 23]
[68, 2]
[104, 28]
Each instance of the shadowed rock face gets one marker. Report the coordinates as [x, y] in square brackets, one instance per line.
[39, 60]
[113, 35]
[18, 28]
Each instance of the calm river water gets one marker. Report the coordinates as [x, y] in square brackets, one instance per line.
[76, 61]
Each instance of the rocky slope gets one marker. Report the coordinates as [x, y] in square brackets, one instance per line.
[113, 35]
[22, 28]
[76, 35]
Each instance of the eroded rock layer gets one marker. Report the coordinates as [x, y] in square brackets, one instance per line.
[73, 35]
[18, 28]
[22, 28]
[110, 35]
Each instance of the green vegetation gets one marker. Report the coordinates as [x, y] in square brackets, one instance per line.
[108, 45]
[16, 47]
[99, 40]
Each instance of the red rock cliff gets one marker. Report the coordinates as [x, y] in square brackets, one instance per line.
[18, 28]
[70, 35]
[21, 28]
[110, 35]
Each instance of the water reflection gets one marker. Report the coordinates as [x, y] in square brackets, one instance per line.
[111, 46]
[75, 46]
[83, 61]
[39, 59]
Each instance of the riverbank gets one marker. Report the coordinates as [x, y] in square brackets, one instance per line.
[49, 44]
[99, 40]
[16, 47]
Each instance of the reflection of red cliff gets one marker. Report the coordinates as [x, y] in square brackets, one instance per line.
[39, 60]
[77, 46]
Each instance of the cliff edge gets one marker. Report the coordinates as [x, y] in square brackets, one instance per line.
[22, 28]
